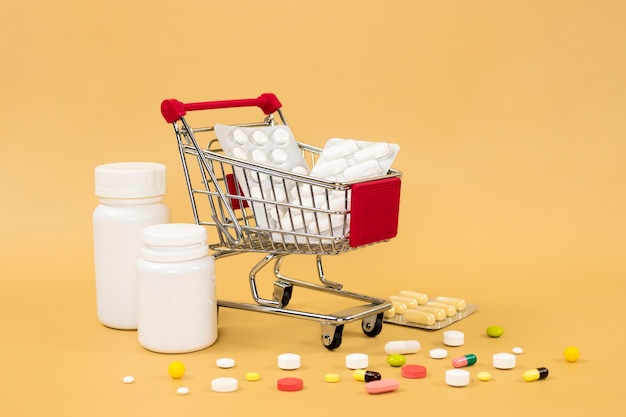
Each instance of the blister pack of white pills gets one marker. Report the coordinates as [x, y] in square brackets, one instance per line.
[270, 146]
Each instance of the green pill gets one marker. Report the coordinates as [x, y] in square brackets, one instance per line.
[395, 359]
[495, 331]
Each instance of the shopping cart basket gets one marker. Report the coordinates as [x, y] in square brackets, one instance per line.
[220, 200]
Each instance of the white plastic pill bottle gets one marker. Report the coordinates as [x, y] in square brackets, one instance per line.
[130, 195]
[176, 278]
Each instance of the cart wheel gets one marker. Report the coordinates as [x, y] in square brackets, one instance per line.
[282, 292]
[373, 325]
[334, 341]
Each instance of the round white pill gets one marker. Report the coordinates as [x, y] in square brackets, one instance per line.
[402, 347]
[518, 350]
[438, 353]
[279, 156]
[240, 153]
[224, 384]
[280, 136]
[225, 363]
[129, 379]
[259, 156]
[259, 137]
[239, 136]
[182, 391]
[503, 361]
[357, 361]
[453, 338]
[457, 377]
[289, 361]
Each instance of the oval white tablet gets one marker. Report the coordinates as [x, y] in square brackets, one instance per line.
[280, 136]
[225, 363]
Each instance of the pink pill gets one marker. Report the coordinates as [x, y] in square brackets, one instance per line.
[380, 386]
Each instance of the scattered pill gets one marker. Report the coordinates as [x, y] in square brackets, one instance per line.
[420, 297]
[331, 377]
[410, 302]
[357, 361]
[253, 376]
[535, 374]
[224, 384]
[419, 317]
[571, 354]
[366, 376]
[396, 359]
[463, 361]
[381, 386]
[495, 331]
[402, 347]
[483, 376]
[458, 303]
[438, 353]
[128, 379]
[176, 369]
[289, 361]
[503, 361]
[182, 390]
[517, 350]
[290, 384]
[413, 371]
[457, 377]
[453, 338]
[225, 363]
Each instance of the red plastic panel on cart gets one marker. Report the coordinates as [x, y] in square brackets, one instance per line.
[234, 189]
[375, 211]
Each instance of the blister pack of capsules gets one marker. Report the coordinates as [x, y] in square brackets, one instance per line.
[415, 309]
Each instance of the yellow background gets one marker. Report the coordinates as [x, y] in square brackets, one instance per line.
[511, 121]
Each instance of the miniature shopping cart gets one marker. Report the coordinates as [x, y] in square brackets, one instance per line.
[220, 200]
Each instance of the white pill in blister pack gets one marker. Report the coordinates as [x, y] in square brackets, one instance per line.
[270, 146]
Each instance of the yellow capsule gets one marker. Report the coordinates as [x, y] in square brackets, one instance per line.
[420, 317]
[399, 307]
[450, 309]
[535, 374]
[410, 302]
[420, 297]
[389, 313]
[458, 303]
[440, 313]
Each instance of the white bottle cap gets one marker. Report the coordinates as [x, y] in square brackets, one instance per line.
[172, 242]
[289, 361]
[130, 180]
[503, 361]
[224, 384]
[453, 338]
[457, 377]
[357, 361]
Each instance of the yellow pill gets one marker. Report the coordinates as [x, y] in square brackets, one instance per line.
[449, 308]
[458, 303]
[389, 313]
[399, 307]
[253, 376]
[420, 317]
[440, 313]
[331, 377]
[483, 376]
[420, 297]
[176, 369]
[571, 354]
[410, 302]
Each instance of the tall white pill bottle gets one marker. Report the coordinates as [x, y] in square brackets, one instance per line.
[176, 278]
[130, 196]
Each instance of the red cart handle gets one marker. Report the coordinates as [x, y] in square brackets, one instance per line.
[172, 109]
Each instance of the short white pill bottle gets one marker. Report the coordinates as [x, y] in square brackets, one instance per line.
[176, 278]
[130, 195]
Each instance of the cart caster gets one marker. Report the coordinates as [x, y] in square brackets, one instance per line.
[282, 293]
[331, 336]
[372, 325]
